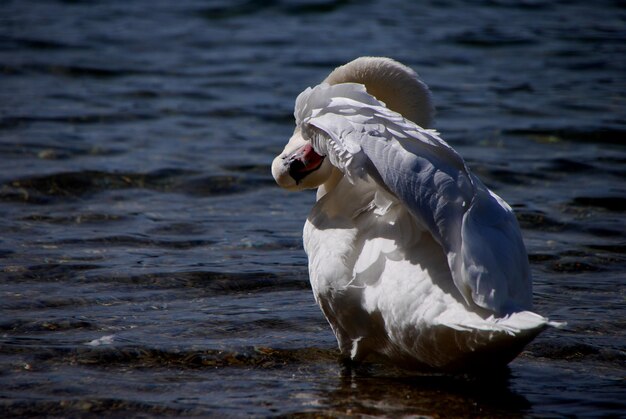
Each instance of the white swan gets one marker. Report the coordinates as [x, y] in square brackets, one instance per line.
[411, 257]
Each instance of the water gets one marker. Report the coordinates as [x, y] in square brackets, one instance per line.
[151, 267]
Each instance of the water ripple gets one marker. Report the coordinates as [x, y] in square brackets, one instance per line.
[72, 185]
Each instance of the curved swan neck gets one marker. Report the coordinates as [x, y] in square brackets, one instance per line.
[392, 83]
[330, 184]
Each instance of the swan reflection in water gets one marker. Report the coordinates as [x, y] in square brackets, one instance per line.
[381, 389]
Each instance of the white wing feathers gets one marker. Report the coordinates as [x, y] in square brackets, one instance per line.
[476, 229]
[493, 256]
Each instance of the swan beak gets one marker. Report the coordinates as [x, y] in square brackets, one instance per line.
[294, 167]
[302, 162]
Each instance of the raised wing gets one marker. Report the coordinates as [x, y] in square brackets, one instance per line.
[475, 228]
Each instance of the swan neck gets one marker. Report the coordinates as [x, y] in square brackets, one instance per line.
[330, 184]
[393, 83]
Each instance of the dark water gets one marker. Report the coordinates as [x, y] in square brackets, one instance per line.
[149, 265]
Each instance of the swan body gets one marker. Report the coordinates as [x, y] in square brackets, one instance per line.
[411, 257]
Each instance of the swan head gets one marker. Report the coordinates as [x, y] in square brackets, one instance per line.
[300, 167]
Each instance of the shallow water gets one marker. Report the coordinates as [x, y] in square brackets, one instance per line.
[151, 267]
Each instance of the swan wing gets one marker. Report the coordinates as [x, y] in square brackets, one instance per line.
[476, 229]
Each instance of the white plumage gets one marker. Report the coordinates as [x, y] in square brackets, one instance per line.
[411, 257]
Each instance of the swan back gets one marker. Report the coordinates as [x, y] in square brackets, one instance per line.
[475, 229]
[395, 84]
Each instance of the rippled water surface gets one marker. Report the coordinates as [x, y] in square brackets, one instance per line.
[149, 265]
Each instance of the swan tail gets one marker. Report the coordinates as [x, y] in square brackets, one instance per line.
[482, 344]
[513, 324]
